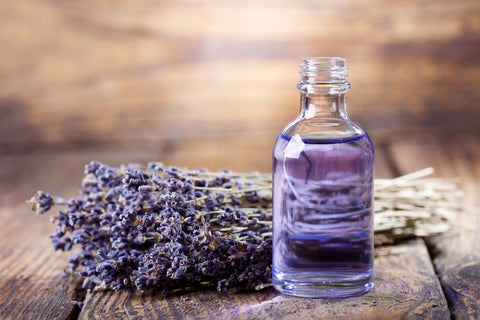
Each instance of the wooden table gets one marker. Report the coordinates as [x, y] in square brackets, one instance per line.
[209, 84]
[433, 278]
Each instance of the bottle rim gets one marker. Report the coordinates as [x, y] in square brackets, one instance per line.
[323, 75]
[335, 67]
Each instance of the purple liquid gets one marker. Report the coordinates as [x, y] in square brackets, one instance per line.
[323, 218]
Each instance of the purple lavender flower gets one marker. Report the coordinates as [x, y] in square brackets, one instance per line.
[167, 228]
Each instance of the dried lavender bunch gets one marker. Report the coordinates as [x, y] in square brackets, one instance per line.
[407, 207]
[167, 228]
[171, 228]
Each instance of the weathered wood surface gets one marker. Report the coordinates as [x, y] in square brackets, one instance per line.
[31, 284]
[154, 73]
[456, 254]
[406, 285]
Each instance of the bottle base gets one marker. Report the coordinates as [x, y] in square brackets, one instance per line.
[324, 290]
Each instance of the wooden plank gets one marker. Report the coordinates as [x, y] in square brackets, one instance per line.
[31, 283]
[405, 288]
[90, 73]
[457, 253]
[30, 273]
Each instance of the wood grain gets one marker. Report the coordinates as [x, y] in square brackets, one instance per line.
[32, 286]
[405, 288]
[101, 73]
[457, 253]
[31, 283]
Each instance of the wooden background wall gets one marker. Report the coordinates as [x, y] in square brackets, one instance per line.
[196, 77]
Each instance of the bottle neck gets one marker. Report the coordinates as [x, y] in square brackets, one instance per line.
[324, 106]
[323, 87]
[323, 117]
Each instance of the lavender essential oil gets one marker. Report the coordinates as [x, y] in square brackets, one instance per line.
[323, 192]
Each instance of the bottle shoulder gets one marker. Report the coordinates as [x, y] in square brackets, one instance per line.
[326, 129]
[294, 146]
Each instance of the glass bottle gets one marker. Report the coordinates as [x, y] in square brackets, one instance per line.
[323, 192]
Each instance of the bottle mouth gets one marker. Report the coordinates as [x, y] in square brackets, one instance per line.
[334, 68]
[323, 75]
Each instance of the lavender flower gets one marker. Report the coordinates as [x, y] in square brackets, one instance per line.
[165, 227]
